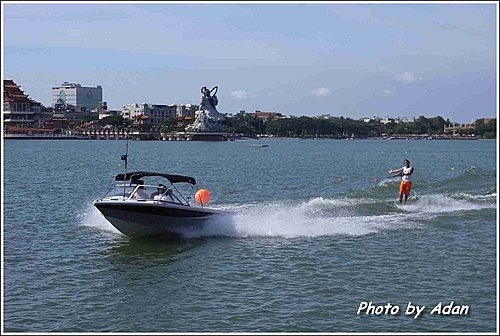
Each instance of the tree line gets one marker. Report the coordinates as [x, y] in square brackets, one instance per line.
[340, 127]
[336, 127]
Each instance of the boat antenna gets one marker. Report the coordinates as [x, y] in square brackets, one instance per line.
[125, 158]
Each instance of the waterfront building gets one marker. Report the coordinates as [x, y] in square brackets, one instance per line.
[459, 129]
[266, 116]
[109, 113]
[101, 107]
[77, 95]
[103, 112]
[72, 112]
[372, 119]
[19, 110]
[398, 120]
[187, 110]
[153, 114]
[386, 120]
[58, 123]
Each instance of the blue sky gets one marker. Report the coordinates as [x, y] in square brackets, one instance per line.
[343, 59]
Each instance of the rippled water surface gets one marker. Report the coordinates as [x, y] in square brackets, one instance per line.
[315, 232]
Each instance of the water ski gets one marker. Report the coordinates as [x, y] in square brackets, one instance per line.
[411, 199]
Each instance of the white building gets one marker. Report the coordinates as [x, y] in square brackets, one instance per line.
[77, 95]
[386, 120]
[155, 113]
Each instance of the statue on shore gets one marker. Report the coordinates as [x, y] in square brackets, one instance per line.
[207, 118]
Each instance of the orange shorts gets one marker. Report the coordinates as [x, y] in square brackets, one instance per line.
[405, 187]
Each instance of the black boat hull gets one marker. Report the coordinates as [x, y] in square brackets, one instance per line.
[140, 218]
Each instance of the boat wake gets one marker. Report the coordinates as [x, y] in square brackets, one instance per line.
[440, 204]
[322, 216]
[315, 218]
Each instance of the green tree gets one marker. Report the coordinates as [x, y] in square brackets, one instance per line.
[116, 121]
[168, 125]
[486, 129]
[243, 124]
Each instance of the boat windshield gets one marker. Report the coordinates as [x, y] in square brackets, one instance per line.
[120, 190]
[156, 192]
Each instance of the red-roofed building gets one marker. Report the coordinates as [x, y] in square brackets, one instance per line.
[266, 116]
[19, 110]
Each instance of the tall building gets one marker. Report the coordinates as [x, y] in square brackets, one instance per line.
[77, 95]
[19, 110]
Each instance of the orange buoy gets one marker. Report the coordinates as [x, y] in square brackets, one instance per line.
[202, 196]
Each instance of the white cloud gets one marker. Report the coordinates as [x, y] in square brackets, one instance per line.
[321, 92]
[240, 94]
[388, 92]
[407, 77]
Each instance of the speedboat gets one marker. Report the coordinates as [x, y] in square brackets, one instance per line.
[136, 208]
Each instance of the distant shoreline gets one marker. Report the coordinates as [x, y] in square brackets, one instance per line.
[65, 137]
[42, 137]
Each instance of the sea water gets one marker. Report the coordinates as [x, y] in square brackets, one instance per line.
[315, 236]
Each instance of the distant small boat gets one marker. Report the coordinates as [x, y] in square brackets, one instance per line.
[259, 145]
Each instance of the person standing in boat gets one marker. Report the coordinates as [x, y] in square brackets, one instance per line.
[405, 186]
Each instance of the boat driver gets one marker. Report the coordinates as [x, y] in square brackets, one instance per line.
[162, 194]
[160, 190]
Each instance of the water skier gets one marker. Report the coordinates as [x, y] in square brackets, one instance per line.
[405, 186]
